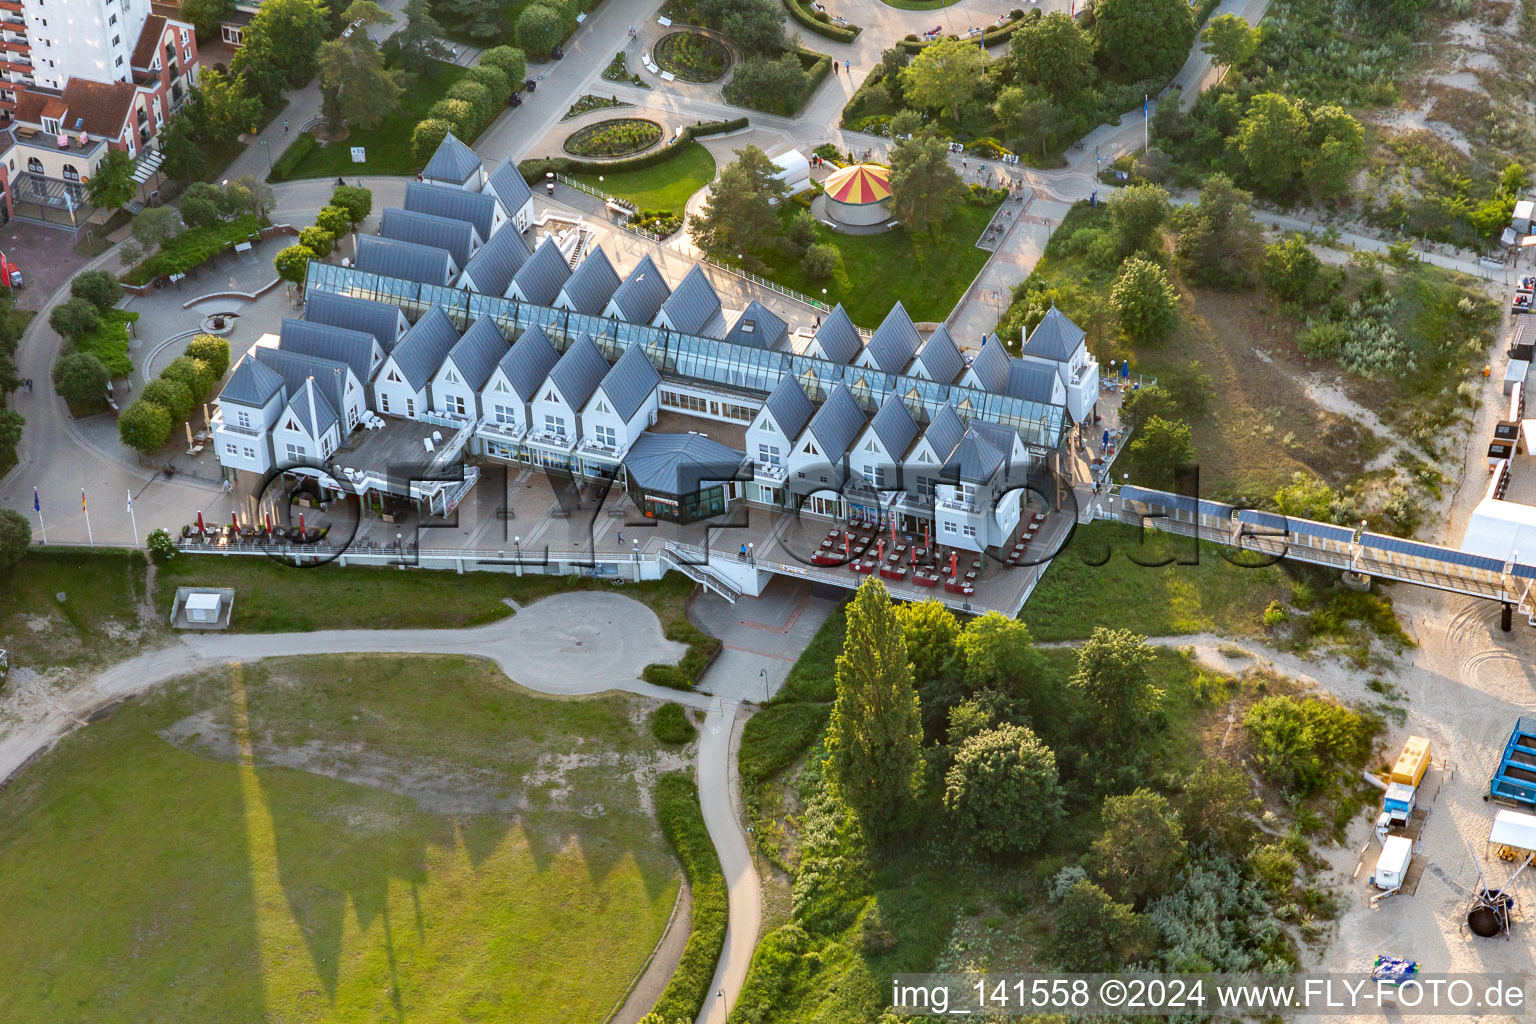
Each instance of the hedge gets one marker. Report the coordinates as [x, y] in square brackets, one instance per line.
[682, 822]
[534, 169]
[989, 37]
[109, 342]
[841, 33]
[193, 248]
[294, 155]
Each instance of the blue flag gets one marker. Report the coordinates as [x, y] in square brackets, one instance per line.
[37, 506]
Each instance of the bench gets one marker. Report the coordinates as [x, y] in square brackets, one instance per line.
[667, 76]
[664, 22]
[242, 247]
[652, 68]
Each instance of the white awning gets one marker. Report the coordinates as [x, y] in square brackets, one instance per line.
[1511, 828]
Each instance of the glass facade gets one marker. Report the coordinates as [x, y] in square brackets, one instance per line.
[1040, 425]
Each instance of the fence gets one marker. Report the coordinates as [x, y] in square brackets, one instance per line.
[763, 282]
[608, 197]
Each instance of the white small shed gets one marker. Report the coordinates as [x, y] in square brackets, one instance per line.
[203, 607]
[794, 171]
[1392, 865]
[1525, 212]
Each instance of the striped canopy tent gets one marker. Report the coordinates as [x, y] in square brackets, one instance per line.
[859, 194]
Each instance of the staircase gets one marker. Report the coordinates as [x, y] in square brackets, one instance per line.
[700, 573]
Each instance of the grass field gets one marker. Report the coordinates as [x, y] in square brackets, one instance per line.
[96, 622]
[445, 847]
[927, 274]
[663, 186]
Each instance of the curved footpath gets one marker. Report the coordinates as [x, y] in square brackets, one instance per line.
[566, 645]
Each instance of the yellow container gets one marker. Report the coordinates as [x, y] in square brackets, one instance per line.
[1412, 762]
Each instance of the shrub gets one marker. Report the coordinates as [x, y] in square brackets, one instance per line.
[482, 105]
[617, 137]
[334, 221]
[212, 350]
[457, 113]
[538, 29]
[109, 342]
[800, 234]
[98, 287]
[820, 261]
[492, 80]
[171, 395]
[669, 724]
[80, 379]
[427, 136]
[317, 240]
[775, 737]
[161, 546]
[194, 373]
[669, 676]
[1290, 267]
[509, 61]
[200, 205]
[677, 810]
[144, 426]
[1304, 744]
[296, 153]
[1003, 792]
[74, 318]
[356, 200]
[15, 537]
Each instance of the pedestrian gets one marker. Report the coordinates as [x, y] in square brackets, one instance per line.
[834, 67]
[965, 165]
[285, 126]
[621, 532]
[847, 66]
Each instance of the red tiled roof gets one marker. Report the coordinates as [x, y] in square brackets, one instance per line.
[103, 106]
[149, 41]
[30, 105]
[54, 107]
[166, 10]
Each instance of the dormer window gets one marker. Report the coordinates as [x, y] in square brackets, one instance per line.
[51, 125]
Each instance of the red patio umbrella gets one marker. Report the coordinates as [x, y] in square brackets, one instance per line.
[845, 546]
[301, 525]
[927, 539]
[267, 519]
[954, 560]
[880, 550]
[200, 527]
[235, 519]
[893, 531]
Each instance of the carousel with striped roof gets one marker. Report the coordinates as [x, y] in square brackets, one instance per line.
[859, 195]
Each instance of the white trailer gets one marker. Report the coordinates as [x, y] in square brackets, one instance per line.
[1392, 865]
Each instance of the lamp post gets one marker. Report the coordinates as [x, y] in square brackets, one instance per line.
[268, 150]
[751, 553]
[762, 674]
[517, 545]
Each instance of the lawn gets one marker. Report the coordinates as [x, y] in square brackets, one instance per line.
[927, 274]
[663, 186]
[96, 622]
[430, 856]
[388, 147]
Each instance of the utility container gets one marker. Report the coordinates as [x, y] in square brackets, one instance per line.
[1392, 865]
[1412, 762]
[1398, 802]
[1514, 782]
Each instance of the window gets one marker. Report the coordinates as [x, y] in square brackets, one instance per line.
[383, 401]
[451, 377]
[924, 457]
[554, 424]
[296, 452]
[606, 437]
[117, 40]
[70, 174]
[110, 21]
[739, 413]
[875, 477]
[925, 487]
[967, 493]
[949, 527]
[410, 407]
[768, 455]
[249, 453]
[243, 418]
[230, 449]
[766, 426]
[456, 404]
[968, 529]
[119, 62]
[810, 449]
[503, 414]
[394, 376]
[51, 125]
[34, 166]
[602, 406]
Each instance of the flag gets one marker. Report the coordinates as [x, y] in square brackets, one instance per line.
[37, 506]
[130, 501]
[82, 500]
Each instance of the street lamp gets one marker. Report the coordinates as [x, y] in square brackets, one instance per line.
[762, 674]
[751, 553]
[517, 542]
[268, 150]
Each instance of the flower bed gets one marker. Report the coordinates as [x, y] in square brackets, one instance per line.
[663, 223]
[619, 136]
[589, 103]
[618, 71]
[692, 56]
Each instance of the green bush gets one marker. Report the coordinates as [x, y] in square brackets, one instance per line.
[317, 240]
[144, 426]
[193, 248]
[775, 737]
[616, 137]
[194, 373]
[1303, 745]
[509, 60]
[171, 395]
[669, 724]
[460, 114]
[493, 80]
[482, 104]
[994, 36]
[109, 342]
[677, 809]
[97, 287]
[80, 379]
[669, 676]
[427, 136]
[533, 171]
[539, 28]
[293, 156]
[74, 318]
[806, 19]
[212, 350]
[161, 546]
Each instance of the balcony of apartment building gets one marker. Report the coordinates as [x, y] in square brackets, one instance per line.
[10, 7]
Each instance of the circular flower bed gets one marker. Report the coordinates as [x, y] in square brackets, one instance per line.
[692, 56]
[620, 136]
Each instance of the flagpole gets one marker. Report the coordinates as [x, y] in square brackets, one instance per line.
[87, 511]
[37, 506]
[133, 519]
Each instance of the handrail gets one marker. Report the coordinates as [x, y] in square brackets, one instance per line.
[763, 282]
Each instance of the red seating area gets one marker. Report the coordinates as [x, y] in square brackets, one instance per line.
[867, 551]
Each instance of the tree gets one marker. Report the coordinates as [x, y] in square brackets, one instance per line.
[262, 199]
[334, 221]
[356, 200]
[170, 395]
[417, 46]
[1054, 53]
[930, 631]
[945, 75]
[11, 423]
[318, 241]
[1143, 39]
[1218, 240]
[1160, 451]
[755, 28]
[80, 379]
[144, 426]
[482, 106]
[205, 15]
[800, 233]
[200, 205]
[740, 216]
[98, 287]
[1229, 40]
[212, 350]
[160, 544]
[1137, 211]
[194, 373]
[234, 199]
[15, 537]
[155, 226]
[183, 157]
[509, 61]
[1290, 267]
[1112, 678]
[820, 261]
[492, 80]
[538, 29]
[458, 114]
[924, 187]
[999, 654]
[1142, 846]
[780, 79]
[1027, 120]
[873, 740]
[355, 86]
[112, 184]
[1273, 139]
[1002, 791]
[1217, 807]
[1093, 932]
[427, 136]
[279, 48]
[292, 264]
[1145, 302]
[74, 318]
[220, 108]
[1338, 151]
[891, 63]
[1301, 743]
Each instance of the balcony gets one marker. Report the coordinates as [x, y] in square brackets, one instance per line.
[219, 425]
[599, 450]
[769, 473]
[506, 433]
[559, 442]
[962, 507]
[12, 5]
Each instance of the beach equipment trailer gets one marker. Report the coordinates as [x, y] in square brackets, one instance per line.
[1514, 782]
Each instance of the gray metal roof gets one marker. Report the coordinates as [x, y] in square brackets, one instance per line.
[453, 161]
[593, 283]
[1054, 337]
[640, 297]
[680, 464]
[790, 407]
[894, 426]
[529, 361]
[478, 352]
[390, 258]
[493, 266]
[630, 382]
[421, 352]
[838, 338]
[940, 357]
[379, 319]
[355, 348]
[895, 341]
[837, 423]
[693, 303]
[478, 208]
[998, 435]
[759, 327]
[944, 432]
[508, 184]
[311, 399]
[457, 236]
[295, 368]
[1032, 382]
[541, 278]
[579, 371]
[251, 384]
[974, 460]
[993, 365]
